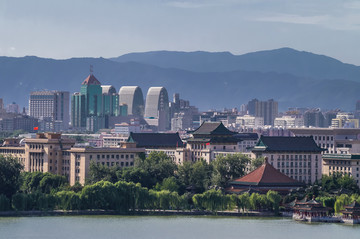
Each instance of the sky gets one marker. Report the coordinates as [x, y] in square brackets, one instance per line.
[110, 28]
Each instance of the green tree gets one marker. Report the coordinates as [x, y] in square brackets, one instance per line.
[158, 165]
[275, 200]
[228, 168]
[99, 172]
[4, 203]
[197, 175]
[10, 169]
[68, 200]
[340, 202]
[214, 200]
[255, 163]
[42, 182]
[169, 184]
[255, 201]
[244, 201]
[136, 175]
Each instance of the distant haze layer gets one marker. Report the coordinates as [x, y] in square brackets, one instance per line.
[208, 80]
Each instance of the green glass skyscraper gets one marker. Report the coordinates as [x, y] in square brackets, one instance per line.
[93, 105]
[87, 103]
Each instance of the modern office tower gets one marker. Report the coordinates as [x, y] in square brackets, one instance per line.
[329, 116]
[110, 100]
[266, 109]
[344, 120]
[51, 107]
[249, 121]
[251, 106]
[2, 110]
[132, 96]
[87, 103]
[287, 121]
[314, 118]
[157, 108]
[13, 108]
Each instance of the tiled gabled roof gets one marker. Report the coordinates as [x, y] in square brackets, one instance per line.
[266, 175]
[278, 143]
[91, 80]
[212, 128]
[153, 140]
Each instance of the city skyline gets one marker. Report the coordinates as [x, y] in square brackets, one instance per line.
[114, 28]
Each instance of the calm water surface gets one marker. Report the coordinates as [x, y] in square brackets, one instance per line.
[87, 227]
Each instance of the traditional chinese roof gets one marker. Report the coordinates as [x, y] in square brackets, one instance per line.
[153, 140]
[212, 128]
[278, 144]
[266, 175]
[247, 136]
[91, 80]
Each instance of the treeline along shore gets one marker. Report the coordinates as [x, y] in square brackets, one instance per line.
[155, 186]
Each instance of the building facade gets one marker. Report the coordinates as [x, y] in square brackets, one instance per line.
[51, 107]
[157, 111]
[210, 140]
[49, 152]
[297, 157]
[133, 98]
[334, 141]
[345, 164]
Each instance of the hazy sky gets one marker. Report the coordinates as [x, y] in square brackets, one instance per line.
[107, 28]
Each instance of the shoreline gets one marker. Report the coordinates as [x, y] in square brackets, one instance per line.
[133, 213]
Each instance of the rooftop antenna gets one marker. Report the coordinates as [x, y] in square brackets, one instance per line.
[91, 69]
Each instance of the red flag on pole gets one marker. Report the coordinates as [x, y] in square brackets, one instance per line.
[36, 128]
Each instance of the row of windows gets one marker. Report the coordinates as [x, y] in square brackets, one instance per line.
[341, 162]
[117, 156]
[11, 151]
[323, 138]
[293, 157]
[122, 164]
[341, 168]
[291, 164]
[36, 146]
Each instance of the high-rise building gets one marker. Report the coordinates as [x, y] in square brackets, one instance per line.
[110, 100]
[314, 118]
[157, 108]
[86, 103]
[13, 108]
[266, 109]
[93, 105]
[132, 96]
[51, 107]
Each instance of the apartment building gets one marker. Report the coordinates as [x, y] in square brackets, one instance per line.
[346, 164]
[334, 141]
[50, 152]
[297, 157]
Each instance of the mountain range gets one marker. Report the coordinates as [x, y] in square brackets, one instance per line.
[209, 80]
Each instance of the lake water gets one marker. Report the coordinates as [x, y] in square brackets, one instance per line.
[88, 227]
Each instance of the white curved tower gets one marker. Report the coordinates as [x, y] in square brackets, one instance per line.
[133, 97]
[157, 108]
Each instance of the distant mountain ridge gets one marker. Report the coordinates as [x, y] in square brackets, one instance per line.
[283, 60]
[215, 81]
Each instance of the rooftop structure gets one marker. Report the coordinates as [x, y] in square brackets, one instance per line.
[280, 144]
[351, 214]
[263, 179]
[155, 140]
[169, 143]
[336, 140]
[210, 139]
